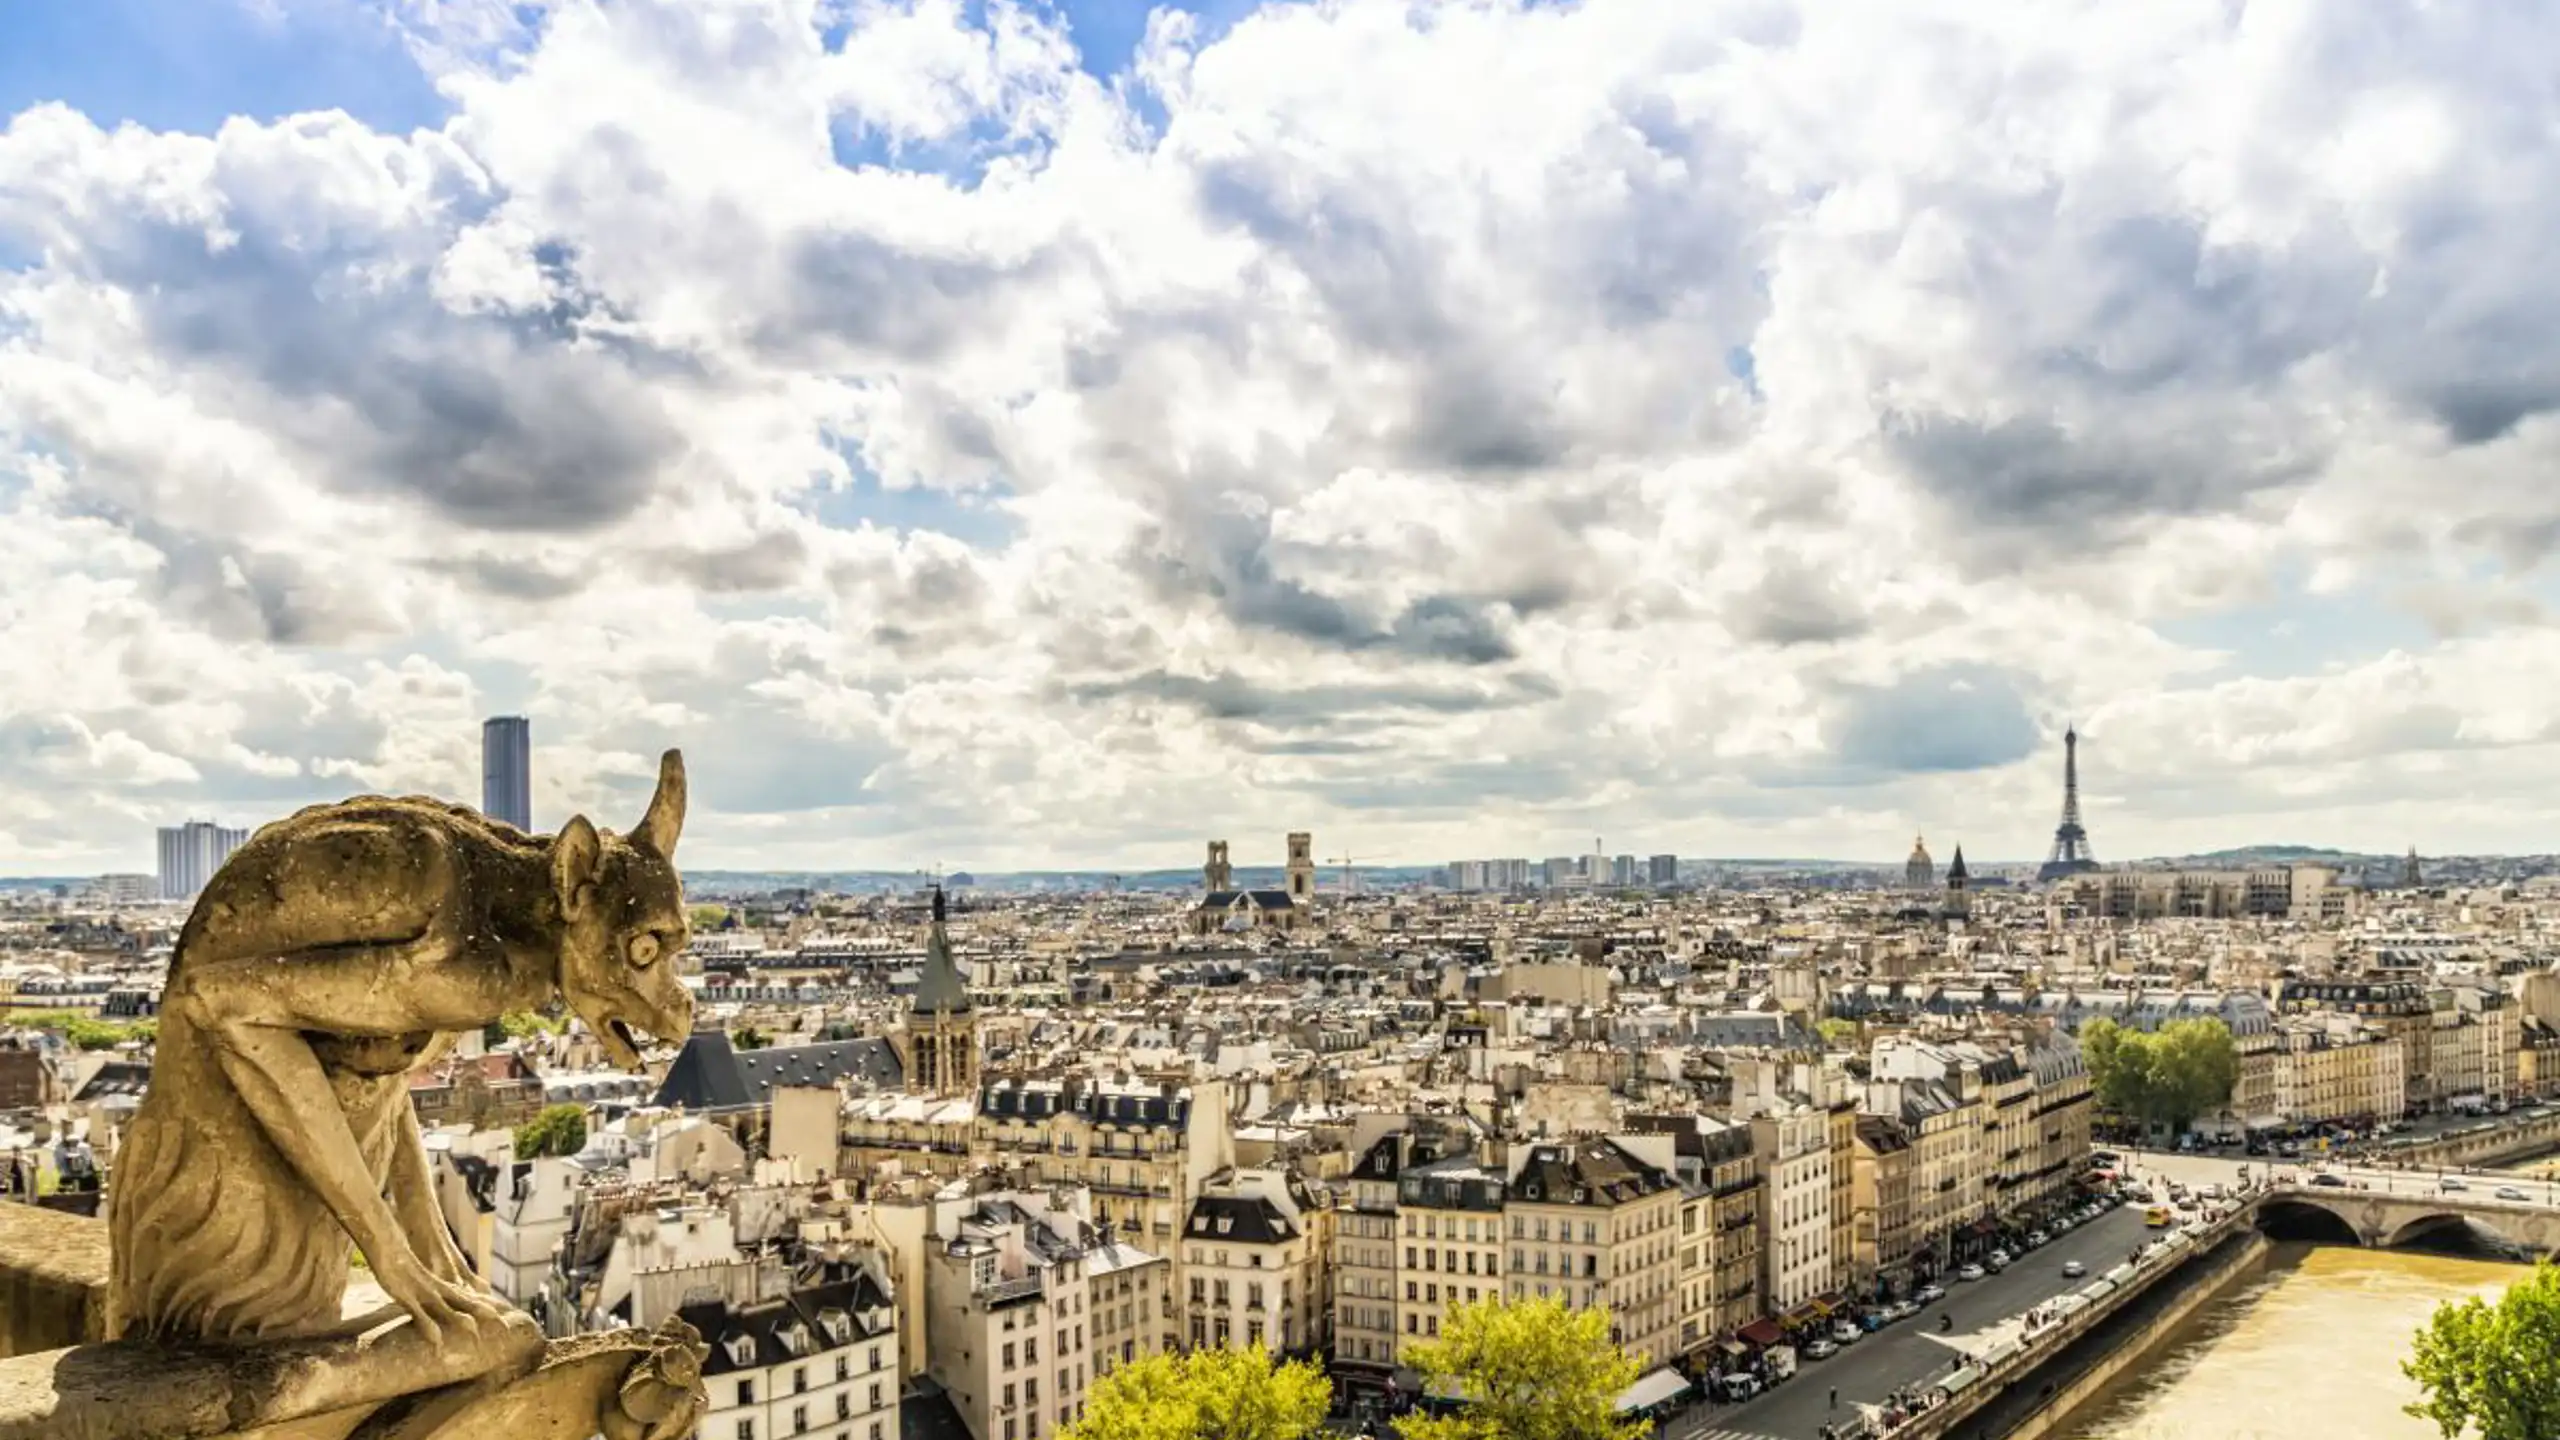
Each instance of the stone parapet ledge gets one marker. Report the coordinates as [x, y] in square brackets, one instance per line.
[318, 1389]
[53, 1279]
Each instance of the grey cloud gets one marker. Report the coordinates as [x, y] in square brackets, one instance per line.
[1795, 606]
[1229, 696]
[511, 579]
[1951, 717]
[481, 418]
[772, 560]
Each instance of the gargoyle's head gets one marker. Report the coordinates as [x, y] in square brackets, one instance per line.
[623, 924]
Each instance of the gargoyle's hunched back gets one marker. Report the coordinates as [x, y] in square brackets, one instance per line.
[212, 1233]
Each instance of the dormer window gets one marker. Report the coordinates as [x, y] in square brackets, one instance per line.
[742, 1350]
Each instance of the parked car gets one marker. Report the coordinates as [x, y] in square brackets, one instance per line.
[1846, 1332]
[2038, 1237]
[1970, 1272]
[1820, 1347]
[2073, 1269]
[2001, 1256]
[1738, 1387]
[1928, 1294]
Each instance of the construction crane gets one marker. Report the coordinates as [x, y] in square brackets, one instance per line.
[1346, 862]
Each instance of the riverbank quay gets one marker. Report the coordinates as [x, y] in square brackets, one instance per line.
[2050, 1396]
[2198, 1258]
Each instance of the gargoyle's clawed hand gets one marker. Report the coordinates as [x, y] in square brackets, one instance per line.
[442, 1309]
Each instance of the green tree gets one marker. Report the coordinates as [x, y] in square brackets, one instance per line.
[558, 1130]
[2493, 1370]
[1837, 1033]
[1525, 1370]
[706, 917]
[2169, 1077]
[748, 1037]
[1205, 1395]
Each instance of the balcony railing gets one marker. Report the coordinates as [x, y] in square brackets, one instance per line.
[1005, 1290]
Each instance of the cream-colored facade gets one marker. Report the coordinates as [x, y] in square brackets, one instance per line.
[1883, 1234]
[1251, 1267]
[2335, 1068]
[1365, 1270]
[1795, 1238]
[1130, 1296]
[1733, 1169]
[1449, 1215]
[1006, 1304]
[1596, 1222]
[1844, 1156]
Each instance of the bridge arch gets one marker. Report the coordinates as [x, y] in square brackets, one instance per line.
[2304, 1218]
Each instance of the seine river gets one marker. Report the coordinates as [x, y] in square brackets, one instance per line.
[2311, 1346]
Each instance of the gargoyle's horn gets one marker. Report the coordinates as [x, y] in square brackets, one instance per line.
[658, 828]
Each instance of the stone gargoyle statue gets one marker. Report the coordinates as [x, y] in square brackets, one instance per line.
[334, 952]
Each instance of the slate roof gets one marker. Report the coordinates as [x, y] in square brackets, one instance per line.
[1010, 1099]
[1590, 1172]
[768, 1324]
[941, 989]
[711, 1075]
[1238, 1220]
[116, 1077]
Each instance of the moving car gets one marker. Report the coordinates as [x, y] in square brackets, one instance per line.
[1820, 1347]
[2073, 1269]
[1738, 1387]
[2509, 1192]
[1927, 1293]
[2449, 1183]
[1970, 1272]
[2158, 1217]
[2332, 1181]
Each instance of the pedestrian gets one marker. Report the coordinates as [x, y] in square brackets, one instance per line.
[1835, 1397]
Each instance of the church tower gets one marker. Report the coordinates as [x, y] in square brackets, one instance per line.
[1302, 868]
[942, 1026]
[1218, 876]
[1959, 904]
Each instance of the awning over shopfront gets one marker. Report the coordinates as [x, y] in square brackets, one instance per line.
[1806, 1314]
[1654, 1388]
[1763, 1333]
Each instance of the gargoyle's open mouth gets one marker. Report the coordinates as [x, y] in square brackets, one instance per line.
[623, 1033]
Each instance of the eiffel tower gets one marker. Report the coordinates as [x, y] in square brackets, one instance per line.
[2071, 854]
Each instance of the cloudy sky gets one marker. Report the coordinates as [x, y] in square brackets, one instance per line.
[999, 434]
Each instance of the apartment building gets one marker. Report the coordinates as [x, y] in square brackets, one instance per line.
[1795, 1221]
[1251, 1266]
[1596, 1222]
[1449, 1214]
[1884, 1236]
[1142, 1150]
[1129, 1293]
[1843, 1115]
[1739, 1192]
[821, 1362]
[2340, 1068]
[1007, 1310]
[2064, 1107]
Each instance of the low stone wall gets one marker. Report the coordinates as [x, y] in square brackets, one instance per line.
[2213, 1247]
[53, 1279]
[2239, 1258]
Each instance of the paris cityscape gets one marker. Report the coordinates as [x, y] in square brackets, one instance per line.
[1279, 720]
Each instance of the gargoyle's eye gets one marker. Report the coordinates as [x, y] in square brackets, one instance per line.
[644, 950]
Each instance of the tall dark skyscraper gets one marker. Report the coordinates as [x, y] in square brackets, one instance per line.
[506, 770]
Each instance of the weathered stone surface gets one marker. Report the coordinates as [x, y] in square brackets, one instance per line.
[334, 951]
[129, 1390]
[53, 1279]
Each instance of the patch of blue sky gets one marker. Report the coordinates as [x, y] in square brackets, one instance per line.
[975, 517]
[2295, 632]
[191, 64]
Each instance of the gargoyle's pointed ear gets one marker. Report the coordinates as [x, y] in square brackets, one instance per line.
[577, 863]
[665, 820]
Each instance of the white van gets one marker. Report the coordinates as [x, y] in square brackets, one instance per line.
[1738, 1387]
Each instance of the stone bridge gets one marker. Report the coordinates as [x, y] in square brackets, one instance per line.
[2385, 1218]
